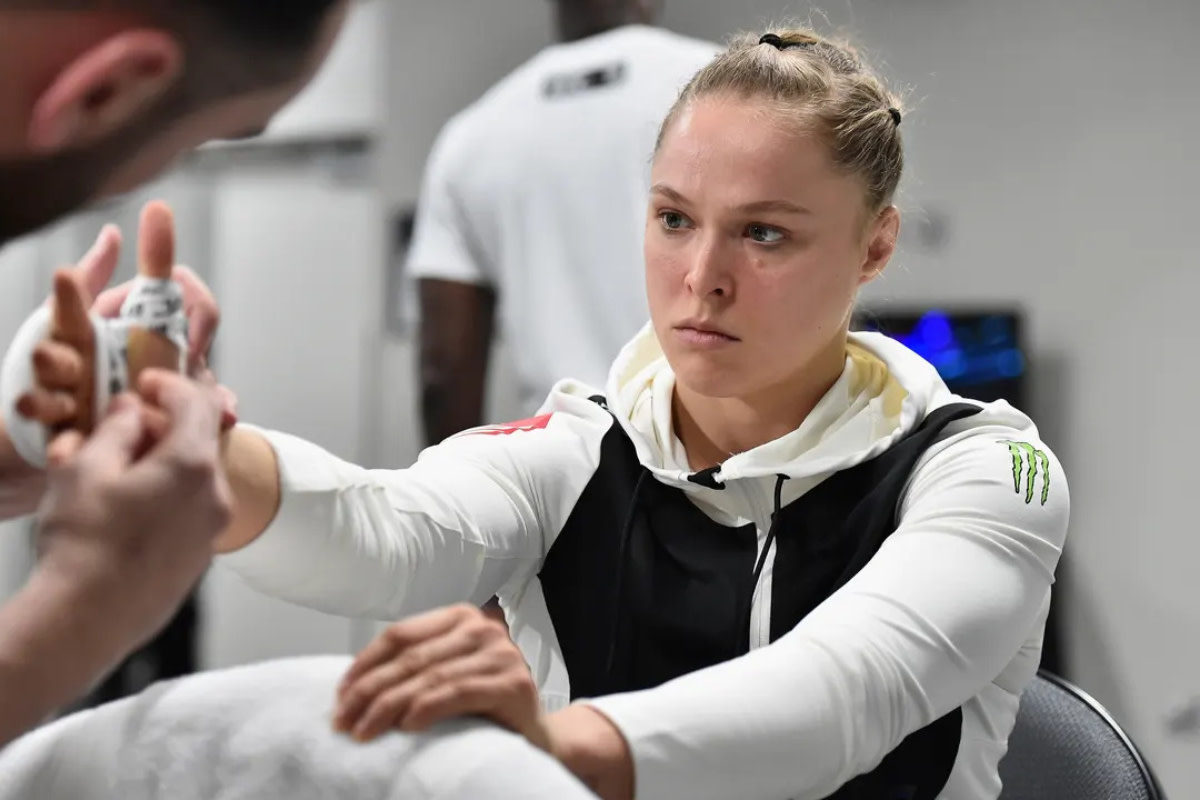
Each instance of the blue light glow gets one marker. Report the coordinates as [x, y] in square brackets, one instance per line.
[966, 349]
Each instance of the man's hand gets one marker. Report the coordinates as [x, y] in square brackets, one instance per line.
[133, 535]
[448, 663]
[121, 541]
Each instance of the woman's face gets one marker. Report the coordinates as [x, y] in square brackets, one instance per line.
[755, 248]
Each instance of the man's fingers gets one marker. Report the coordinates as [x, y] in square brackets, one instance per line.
[194, 412]
[117, 436]
[63, 448]
[156, 241]
[99, 264]
[122, 402]
[57, 366]
[180, 396]
[229, 407]
[51, 409]
[156, 422]
[69, 322]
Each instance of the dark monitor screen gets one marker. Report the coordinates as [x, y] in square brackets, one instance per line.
[980, 354]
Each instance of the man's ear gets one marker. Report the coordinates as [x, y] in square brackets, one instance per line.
[104, 89]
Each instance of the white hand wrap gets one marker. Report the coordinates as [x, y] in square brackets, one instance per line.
[153, 304]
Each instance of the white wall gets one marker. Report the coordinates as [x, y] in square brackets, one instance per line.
[1059, 140]
[295, 253]
[345, 97]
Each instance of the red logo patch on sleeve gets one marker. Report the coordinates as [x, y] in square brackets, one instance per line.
[531, 424]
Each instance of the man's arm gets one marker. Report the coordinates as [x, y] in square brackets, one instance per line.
[121, 543]
[451, 259]
[123, 533]
[56, 639]
[457, 324]
[21, 484]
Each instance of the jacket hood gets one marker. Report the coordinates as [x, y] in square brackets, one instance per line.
[883, 392]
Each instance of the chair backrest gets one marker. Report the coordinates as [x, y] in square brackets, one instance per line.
[1065, 746]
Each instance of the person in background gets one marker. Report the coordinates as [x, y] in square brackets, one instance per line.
[532, 205]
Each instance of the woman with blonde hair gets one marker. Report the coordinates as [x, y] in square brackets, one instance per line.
[772, 559]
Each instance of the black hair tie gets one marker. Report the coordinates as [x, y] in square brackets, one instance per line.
[779, 44]
[895, 112]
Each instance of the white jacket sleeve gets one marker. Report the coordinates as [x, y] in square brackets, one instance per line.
[472, 514]
[939, 612]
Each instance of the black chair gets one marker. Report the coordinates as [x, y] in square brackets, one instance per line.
[1065, 746]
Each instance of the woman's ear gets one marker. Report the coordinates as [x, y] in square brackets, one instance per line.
[104, 89]
[881, 244]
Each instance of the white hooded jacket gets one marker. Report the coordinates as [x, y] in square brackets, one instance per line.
[949, 613]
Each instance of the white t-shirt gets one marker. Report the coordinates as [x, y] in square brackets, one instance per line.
[539, 190]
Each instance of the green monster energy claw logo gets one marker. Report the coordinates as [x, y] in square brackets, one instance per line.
[1027, 460]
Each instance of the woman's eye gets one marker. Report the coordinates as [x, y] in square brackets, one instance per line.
[673, 220]
[764, 234]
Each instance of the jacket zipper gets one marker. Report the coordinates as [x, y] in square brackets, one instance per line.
[760, 609]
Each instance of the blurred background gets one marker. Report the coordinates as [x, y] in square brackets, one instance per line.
[1048, 256]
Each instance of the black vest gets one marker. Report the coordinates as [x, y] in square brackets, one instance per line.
[643, 587]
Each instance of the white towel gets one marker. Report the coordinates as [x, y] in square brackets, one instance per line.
[263, 732]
